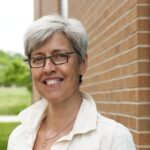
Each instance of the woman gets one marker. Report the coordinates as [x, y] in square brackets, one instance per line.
[65, 118]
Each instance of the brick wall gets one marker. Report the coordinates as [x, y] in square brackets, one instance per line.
[45, 7]
[118, 75]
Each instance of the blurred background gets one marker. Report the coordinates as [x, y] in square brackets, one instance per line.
[15, 80]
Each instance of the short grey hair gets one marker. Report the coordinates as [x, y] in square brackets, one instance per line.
[44, 28]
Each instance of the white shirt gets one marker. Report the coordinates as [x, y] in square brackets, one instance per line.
[91, 130]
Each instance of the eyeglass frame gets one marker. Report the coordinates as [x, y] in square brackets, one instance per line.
[51, 58]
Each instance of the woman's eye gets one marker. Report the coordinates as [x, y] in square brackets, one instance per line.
[60, 56]
[37, 60]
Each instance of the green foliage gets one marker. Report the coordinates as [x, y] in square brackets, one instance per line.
[13, 100]
[5, 130]
[3, 63]
[14, 71]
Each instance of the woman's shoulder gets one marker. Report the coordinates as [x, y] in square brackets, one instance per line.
[110, 125]
[17, 132]
[115, 133]
[15, 135]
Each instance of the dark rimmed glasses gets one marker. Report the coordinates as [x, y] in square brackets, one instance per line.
[56, 59]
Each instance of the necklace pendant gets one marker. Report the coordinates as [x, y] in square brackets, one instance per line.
[44, 144]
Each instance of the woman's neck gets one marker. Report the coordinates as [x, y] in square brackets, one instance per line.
[59, 115]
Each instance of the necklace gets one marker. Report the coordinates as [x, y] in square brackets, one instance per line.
[57, 134]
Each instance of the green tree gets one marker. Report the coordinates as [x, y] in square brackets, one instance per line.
[4, 62]
[14, 71]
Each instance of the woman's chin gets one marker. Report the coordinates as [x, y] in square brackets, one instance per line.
[53, 97]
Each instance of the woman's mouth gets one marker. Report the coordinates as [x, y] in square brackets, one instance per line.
[51, 82]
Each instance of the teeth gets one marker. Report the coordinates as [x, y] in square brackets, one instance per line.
[52, 82]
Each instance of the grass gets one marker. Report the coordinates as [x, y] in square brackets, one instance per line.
[5, 130]
[13, 100]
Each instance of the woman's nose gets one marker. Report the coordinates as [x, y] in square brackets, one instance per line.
[49, 66]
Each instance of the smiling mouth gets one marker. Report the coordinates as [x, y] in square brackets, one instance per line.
[52, 82]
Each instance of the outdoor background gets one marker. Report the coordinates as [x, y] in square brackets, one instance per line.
[15, 79]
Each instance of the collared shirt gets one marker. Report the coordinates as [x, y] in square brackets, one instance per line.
[91, 131]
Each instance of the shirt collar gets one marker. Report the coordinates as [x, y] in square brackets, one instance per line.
[32, 116]
[87, 116]
[86, 119]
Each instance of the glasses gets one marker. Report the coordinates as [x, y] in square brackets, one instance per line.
[57, 59]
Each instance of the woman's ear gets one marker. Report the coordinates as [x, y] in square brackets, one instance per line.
[83, 65]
